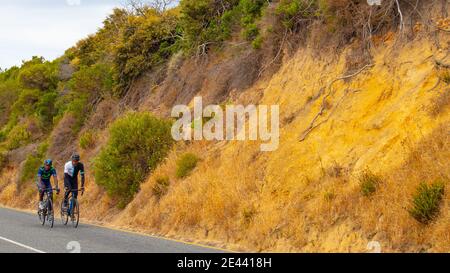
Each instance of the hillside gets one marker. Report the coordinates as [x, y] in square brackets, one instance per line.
[364, 101]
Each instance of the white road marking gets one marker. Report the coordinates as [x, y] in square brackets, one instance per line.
[21, 245]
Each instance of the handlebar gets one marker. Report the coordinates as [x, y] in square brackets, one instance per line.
[48, 189]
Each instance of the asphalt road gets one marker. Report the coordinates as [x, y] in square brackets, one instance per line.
[21, 232]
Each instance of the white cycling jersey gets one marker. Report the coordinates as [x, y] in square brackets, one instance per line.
[69, 168]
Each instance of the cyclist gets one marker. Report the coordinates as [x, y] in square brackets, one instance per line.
[44, 174]
[71, 171]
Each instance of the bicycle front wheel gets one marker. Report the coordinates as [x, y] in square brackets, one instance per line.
[41, 215]
[51, 214]
[75, 213]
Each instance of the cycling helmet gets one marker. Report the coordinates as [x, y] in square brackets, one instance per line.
[48, 162]
[76, 157]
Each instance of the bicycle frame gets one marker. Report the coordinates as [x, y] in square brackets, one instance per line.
[69, 210]
[49, 208]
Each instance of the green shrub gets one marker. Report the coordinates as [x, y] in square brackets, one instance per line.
[251, 32]
[38, 74]
[369, 183]
[291, 12]
[99, 48]
[426, 201]
[161, 186]
[45, 109]
[17, 137]
[26, 103]
[146, 42]
[9, 93]
[257, 42]
[186, 164]
[251, 11]
[32, 163]
[95, 81]
[75, 103]
[87, 140]
[209, 22]
[138, 143]
[30, 168]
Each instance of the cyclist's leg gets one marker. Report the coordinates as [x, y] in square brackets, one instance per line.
[75, 187]
[48, 190]
[41, 195]
[67, 187]
[41, 190]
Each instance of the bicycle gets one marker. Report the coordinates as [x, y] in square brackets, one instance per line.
[47, 212]
[72, 211]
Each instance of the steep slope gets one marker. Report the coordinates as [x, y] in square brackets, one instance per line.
[306, 196]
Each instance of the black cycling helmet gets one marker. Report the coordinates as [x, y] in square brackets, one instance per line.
[48, 162]
[76, 157]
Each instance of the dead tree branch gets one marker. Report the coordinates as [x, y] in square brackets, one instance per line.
[312, 125]
[276, 56]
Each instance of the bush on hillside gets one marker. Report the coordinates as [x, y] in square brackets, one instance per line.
[76, 104]
[161, 186]
[294, 12]
[426, 201]
[88, 140]
[369, 183]
[9, 92]
[32, 163]
[208, 22]
[201, 21]
[26, 103]
[94, 81]
[146, 42]
[138, 143]
[99, 48]
[33, 102]
[46, 110]
[38, 74]
[345, 18]
[186, 164]
[17, 137]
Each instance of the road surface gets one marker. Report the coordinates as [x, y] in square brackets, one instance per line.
[21, 232]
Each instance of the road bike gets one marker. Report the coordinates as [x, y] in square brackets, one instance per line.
[70, 208]
[46, 213]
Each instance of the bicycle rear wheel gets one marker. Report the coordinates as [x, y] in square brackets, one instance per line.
[75, 213]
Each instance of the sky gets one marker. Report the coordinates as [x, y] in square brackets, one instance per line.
[47, 27]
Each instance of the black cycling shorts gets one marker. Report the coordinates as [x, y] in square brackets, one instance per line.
[70, 183]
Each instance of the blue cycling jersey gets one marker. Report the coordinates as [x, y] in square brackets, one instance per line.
[45, 175]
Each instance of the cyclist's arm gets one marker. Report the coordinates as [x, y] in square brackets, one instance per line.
[82, 175]
[55, 177]
[39, 179]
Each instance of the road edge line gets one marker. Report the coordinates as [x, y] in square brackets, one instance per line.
[21, 245]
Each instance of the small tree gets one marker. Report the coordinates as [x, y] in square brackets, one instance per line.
[138, 143]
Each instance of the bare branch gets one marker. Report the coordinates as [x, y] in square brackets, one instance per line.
[140, 7]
